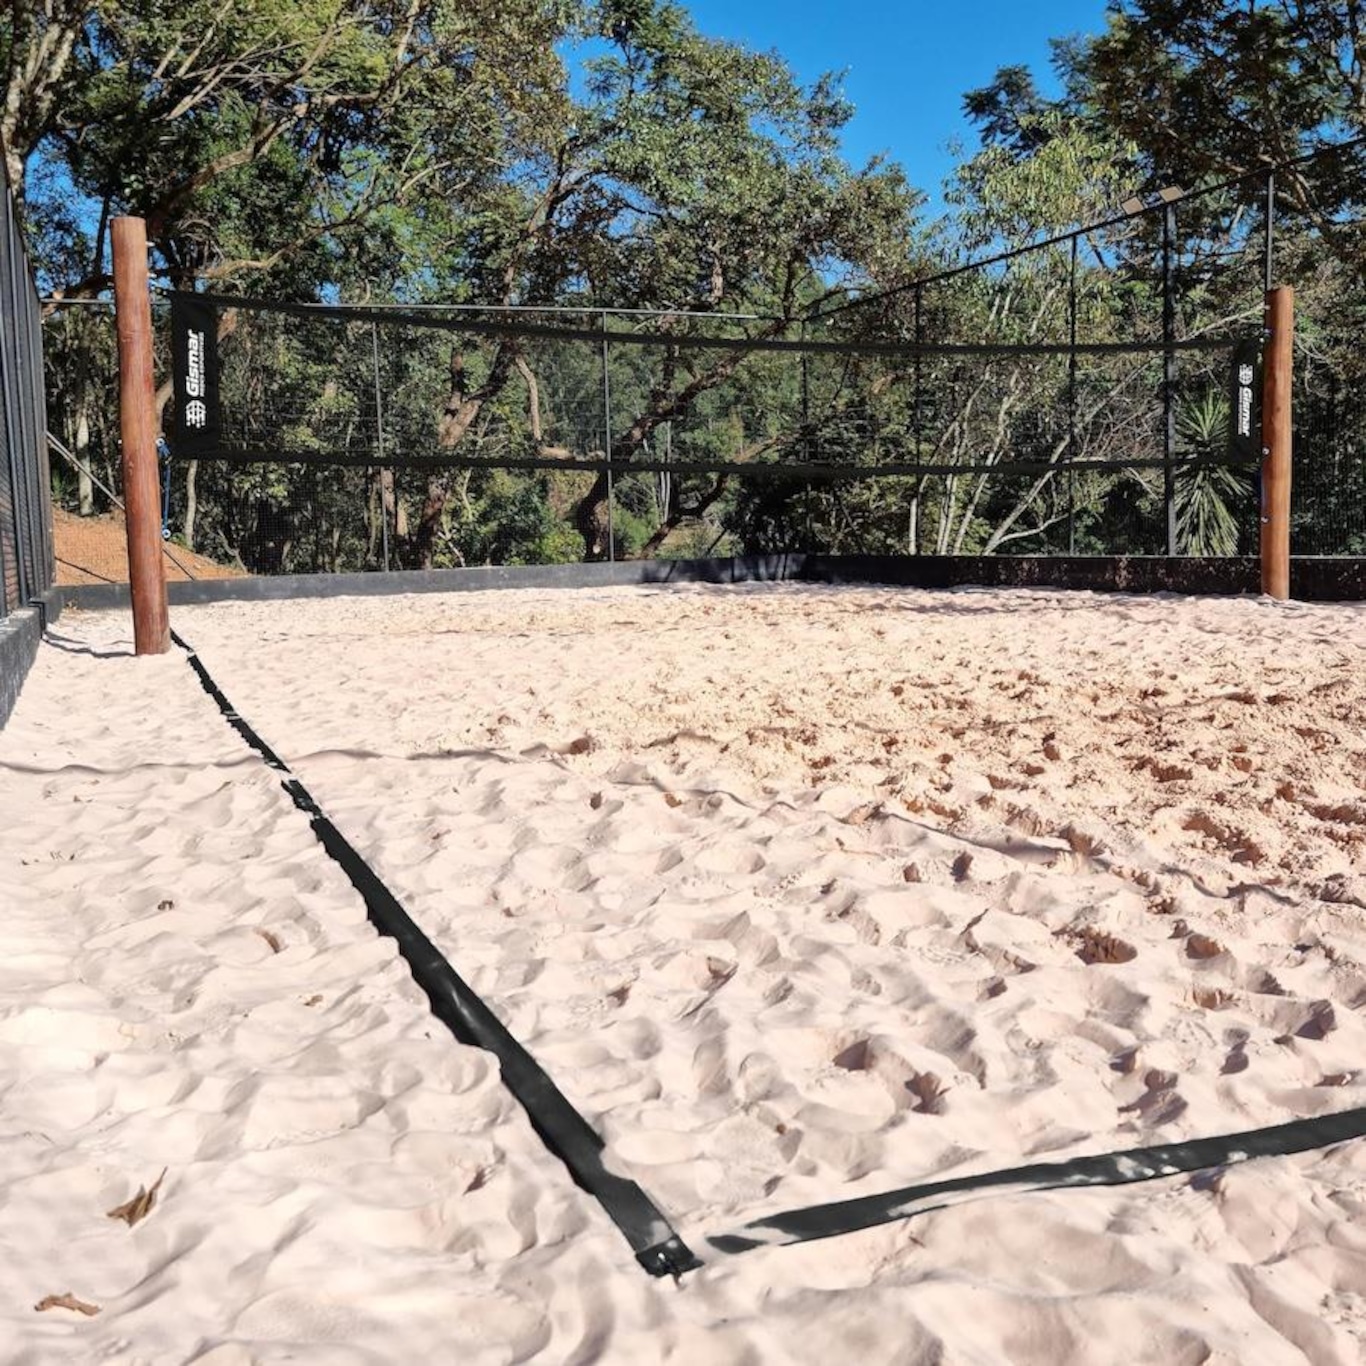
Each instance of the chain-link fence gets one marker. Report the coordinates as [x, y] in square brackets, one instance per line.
[1328, 506]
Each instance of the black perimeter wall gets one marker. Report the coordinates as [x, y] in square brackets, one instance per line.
[1312, 580]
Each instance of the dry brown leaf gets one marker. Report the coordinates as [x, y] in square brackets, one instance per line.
[1202, 946]
[134, 1211]
[313, 1000]
[1096, 946]
[67, 1301]
[1211, 998]
[271, 938]
[720, 971]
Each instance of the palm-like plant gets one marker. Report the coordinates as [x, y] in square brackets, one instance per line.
[1206, 523]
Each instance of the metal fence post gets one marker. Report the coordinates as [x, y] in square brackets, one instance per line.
[1270, 228]
[379, 437]
[21, 501]
[807, 443]
[919, 342]
[33, 438]
[12, 534]
[43, 470]
[919, 414]
[1072, 402]
[1168, 378]
[607, 441]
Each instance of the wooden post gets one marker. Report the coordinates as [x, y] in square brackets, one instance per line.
[1276, 441]
[138, 427]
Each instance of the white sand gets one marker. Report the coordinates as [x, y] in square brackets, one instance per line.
[799, 894]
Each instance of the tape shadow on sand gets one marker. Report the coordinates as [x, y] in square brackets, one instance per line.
[657, 1246]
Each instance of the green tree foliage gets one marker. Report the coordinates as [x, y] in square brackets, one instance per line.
[1209, 497]
[603, 154]
[269, 136]
[1212, 87]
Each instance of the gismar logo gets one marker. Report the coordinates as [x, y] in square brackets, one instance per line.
[196, 413]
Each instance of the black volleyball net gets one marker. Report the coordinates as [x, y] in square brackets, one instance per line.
[341, 438]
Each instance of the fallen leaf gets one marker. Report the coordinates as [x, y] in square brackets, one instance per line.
[312, 1000]
[140, 1206]
[1096, 946]
[1202, 946]
[67, 1301]
[720, 971]
[271, 938]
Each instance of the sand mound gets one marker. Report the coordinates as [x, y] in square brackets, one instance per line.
[95, 550]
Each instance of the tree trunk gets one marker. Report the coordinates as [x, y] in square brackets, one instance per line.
[429, 520]
[191, 502]
[664, 405]
[590, 518]
[373, 530]
[85, 485]
[533, 399]
[462, 407]
[678, 514]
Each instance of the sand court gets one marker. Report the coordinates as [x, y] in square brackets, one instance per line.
[799, 894]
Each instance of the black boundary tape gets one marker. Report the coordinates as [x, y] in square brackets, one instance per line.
[562, 1129]
[1104, 1169]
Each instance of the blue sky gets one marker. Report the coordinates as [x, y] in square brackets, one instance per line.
[908, 64]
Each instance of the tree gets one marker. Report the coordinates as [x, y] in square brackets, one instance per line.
[276, 131]
[697, 177]
[1208, 89]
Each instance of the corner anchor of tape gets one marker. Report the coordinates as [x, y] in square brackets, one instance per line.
[670, 1258]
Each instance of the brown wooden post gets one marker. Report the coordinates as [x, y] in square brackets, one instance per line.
[1276, 441]
[138, 426]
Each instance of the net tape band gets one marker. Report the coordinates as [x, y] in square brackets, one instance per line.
[689, 341]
